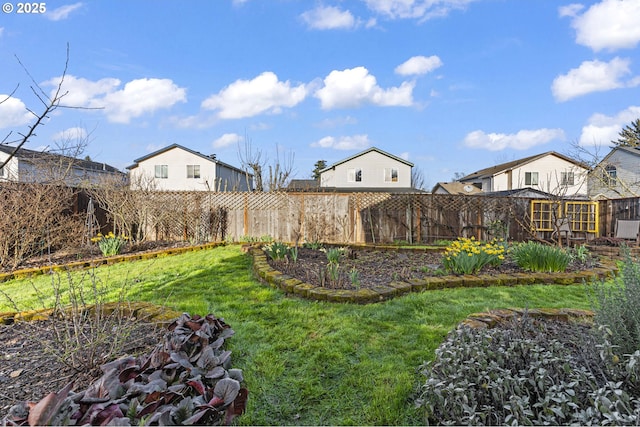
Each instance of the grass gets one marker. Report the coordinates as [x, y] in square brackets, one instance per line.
[307, 362]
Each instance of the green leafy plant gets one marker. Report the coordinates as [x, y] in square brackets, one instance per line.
[312, 245]
[580, 253]
[538, 257]
[334, 255]
[278, 251]
[354, 277]
[468, 256]
[110, 244]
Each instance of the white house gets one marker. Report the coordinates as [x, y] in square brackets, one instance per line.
[617, 175]
[550, 172]
[371, 169]
[176, 168]
[46, 167]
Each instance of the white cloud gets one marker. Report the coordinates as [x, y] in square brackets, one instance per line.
[13, 112]
[602, 129]
[71, 134]
[63, 12]
[355, 142]
[248, 98]
[610, 24]
[142, 96]
[136, 98]
[416, 9]
[522, 140]
[355, 87]
[329, 18]
[227, 140]
[591, 76]
[571, 10]
[418, 65]
[81, 92]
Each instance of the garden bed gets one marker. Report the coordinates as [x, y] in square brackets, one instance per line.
[376, 267]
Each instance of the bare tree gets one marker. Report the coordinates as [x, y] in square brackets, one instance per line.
[253, 160]
[279, 170]
[50, 104]
[418, 180]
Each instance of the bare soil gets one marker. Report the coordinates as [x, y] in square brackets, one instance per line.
[364, 268]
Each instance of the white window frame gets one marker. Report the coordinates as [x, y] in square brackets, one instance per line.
[567, 179]
[354, 175]
[161, 171]
[531, 178]
[193, 171]
[391, 174]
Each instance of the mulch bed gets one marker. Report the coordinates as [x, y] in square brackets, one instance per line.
[378, 267]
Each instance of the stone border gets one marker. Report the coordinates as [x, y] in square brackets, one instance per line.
[490, 319]
[80, 265]
[145, 311]
[293, 286]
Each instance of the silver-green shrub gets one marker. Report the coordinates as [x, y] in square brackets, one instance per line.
[616, 304]
[531, 373]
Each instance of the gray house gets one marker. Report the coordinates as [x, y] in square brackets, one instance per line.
[371, 169]
[617, 175]
[177, 168]
[47, 167]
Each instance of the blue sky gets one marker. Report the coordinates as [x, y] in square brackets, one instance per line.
[453, 86]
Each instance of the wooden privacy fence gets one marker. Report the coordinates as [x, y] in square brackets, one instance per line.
[374, 217]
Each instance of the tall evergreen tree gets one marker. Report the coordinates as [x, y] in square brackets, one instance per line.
[629, 135]
[317, 167]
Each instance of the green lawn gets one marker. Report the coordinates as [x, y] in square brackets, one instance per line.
[307, 362]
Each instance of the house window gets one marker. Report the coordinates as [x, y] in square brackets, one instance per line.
[566, 179]
[162, 171]
[531, 178]
[193, 171]
[610, 176]
[390, 175]
[354, 175]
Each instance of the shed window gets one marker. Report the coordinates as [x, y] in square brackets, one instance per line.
[193, 171]
[162, 171]
[354, 175]
[531, 178]
[390, 175]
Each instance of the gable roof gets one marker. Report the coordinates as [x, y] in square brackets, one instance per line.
[211, 158]
[369, 150]
[32, 156]
[457, 188]
[503, 167]
[631, 150]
